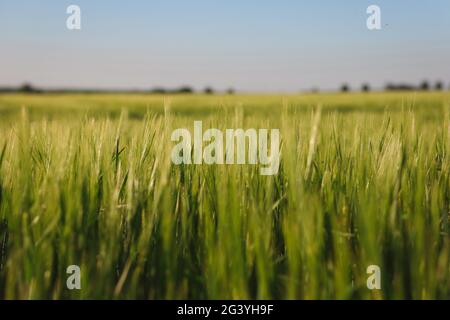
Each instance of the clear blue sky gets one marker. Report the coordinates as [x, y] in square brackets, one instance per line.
[251, 45]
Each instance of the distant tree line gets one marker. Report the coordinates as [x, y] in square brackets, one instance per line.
[29, 88]
[187, 89]
[424, 86]
[25, 88]
[345, 87]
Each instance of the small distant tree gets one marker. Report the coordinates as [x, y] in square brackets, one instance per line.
[184, 89]
[345, 88]
[439, 86]
[208, 90]
[27, 88]
[158, 90]
[400, 87]
[365, 87]
[425, 86]
[230, 91]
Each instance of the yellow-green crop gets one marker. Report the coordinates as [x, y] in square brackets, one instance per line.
[87, 180]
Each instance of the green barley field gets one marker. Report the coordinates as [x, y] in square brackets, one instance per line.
[87, 180]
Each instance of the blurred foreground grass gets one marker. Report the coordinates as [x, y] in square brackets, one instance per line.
[87, 180]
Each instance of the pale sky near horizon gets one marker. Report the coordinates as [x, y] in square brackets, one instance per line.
[250, 45]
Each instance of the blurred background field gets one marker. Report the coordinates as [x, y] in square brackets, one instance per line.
[137, 105]
[86, 179]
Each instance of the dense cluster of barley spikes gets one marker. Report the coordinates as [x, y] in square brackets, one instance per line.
[354, 189]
